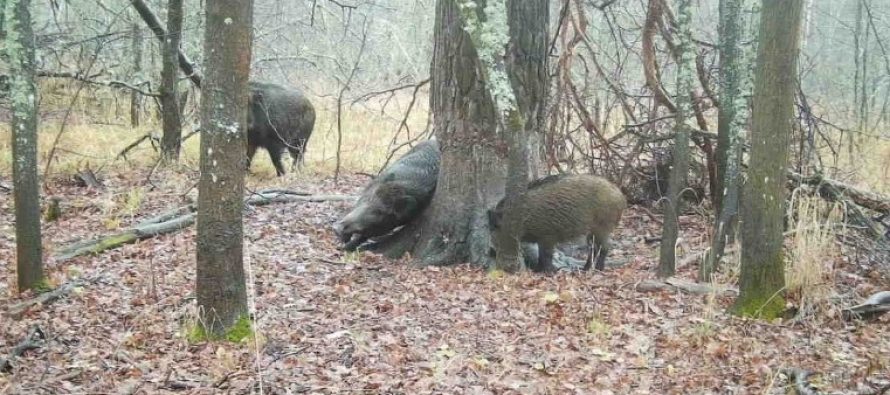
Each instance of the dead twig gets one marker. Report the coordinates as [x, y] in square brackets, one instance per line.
[801, 382]
[33, 340]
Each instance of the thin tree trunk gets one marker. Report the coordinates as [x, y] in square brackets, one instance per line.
[151, 20]
[858, 77]
[220, 284]
[734, 79]
[762, 278]
[172, 119]
[135, 97]
[19, 52]
[680, 157]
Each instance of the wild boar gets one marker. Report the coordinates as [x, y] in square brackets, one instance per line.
[557, 209]
[278, 117]
[393, 198]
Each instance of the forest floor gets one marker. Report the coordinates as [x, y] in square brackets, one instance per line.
[335, 323]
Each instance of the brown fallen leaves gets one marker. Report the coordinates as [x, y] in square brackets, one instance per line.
[331, 323]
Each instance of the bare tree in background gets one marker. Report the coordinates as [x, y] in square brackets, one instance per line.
[135, 97]
[220, 284]
[680, 169]
[19, 52]
[762, 278]
[170, 110]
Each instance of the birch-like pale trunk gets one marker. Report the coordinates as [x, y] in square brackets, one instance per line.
[735, 83]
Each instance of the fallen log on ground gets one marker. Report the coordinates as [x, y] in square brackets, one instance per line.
[33, 340]
[178, 219]
[870, 200]
[837, 191]
[686, 286]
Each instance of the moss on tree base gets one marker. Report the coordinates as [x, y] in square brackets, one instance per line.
[240, 330]
[767, 307]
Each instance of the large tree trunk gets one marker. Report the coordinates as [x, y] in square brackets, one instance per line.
[735, 81]
[220, 285]
[680, 157]
[473, 131]
[527, 65]
[454, 227]
[762, 277]
[135, 97]
[172, 119]
[19, 53]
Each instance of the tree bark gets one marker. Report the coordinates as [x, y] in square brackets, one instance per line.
[734, 80]
[220, 285]
[135, 97]
[188, 68]
[19, 52]
[454, 228]
[762, 277]
[680, 163]
[527, 66]
[172, 119]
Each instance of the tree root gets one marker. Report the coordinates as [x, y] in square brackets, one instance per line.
[34, 340]
[690, 287]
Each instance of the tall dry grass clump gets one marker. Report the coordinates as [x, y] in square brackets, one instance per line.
[815, 226]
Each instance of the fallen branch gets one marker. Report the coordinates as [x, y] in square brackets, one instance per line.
[262, 199]
[16, 310]
[801, 381]
[178, 219]
[136, 233]
[148, 136]
[876, 305]
[870, 200]
[34, 340]
[677, 284]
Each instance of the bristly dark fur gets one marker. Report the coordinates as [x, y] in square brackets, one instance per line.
[279, 118]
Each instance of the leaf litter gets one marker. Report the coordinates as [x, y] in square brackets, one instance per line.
[331, 323]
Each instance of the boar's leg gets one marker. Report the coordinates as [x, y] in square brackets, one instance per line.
[545, 259]
[296, 152]
[600, 249]
[590, 248]
[251, 151]
[275, 154]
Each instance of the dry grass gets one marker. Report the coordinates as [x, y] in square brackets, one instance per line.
[813, 251]
[98, 129]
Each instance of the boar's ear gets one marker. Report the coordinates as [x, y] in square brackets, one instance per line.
[256, 98]
[404, 203]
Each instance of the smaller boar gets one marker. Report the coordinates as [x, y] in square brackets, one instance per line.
[278, 117]
[557, 209]
[393, 198]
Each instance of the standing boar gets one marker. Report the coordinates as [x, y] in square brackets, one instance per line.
[557, 209]
[278, 117]
[394, 197]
